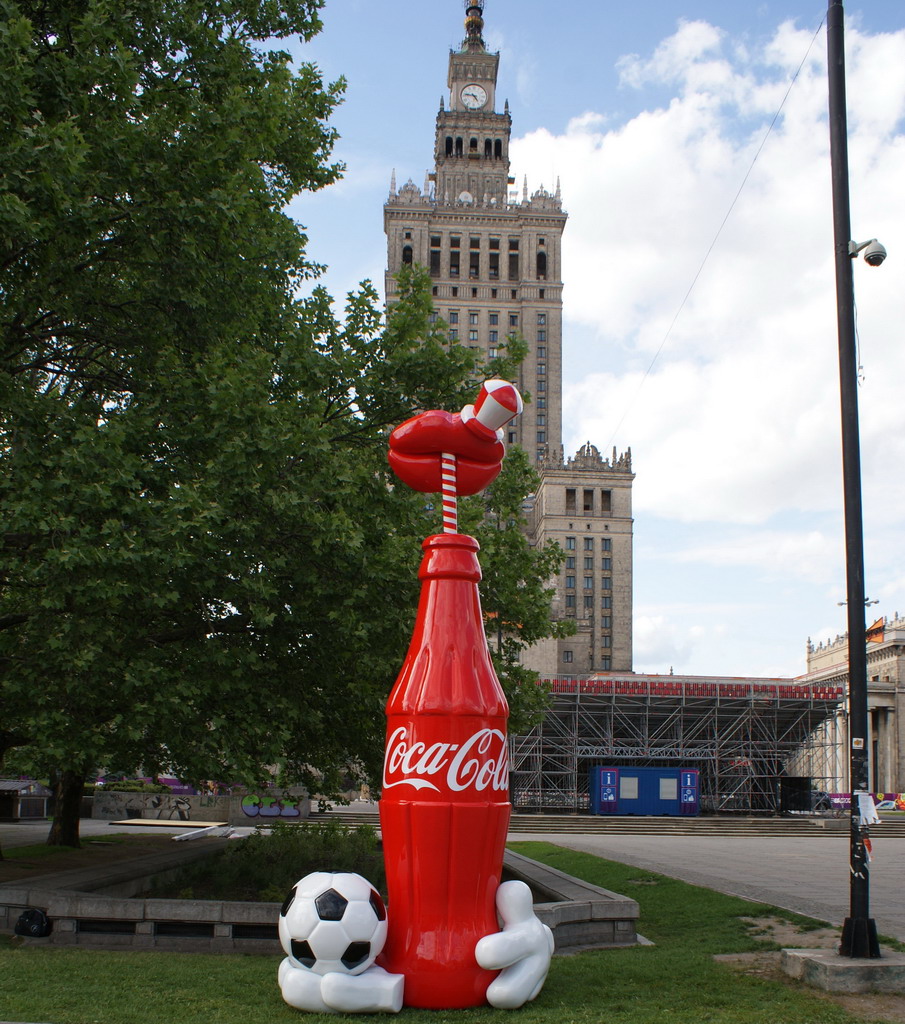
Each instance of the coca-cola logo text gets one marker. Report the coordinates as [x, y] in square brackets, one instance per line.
[481, 762]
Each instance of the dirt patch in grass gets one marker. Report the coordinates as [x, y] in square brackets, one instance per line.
[871, 1006]
[93, 853]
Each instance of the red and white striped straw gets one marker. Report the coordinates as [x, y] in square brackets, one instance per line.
[448, 492]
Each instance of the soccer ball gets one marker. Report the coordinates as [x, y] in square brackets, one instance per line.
[333, 921]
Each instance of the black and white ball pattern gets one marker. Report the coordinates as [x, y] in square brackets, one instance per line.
[333, 921]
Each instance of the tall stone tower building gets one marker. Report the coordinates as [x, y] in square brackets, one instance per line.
[495, 260]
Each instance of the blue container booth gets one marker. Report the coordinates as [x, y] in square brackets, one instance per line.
[645, 790]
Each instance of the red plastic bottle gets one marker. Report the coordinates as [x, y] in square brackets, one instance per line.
[445, 807]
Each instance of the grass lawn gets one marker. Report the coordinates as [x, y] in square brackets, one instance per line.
[675, 981]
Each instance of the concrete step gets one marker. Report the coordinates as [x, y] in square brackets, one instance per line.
[586, 824]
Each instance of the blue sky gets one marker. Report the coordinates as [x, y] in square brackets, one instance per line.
[652, 116]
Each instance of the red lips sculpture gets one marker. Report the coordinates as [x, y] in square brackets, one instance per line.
[474, 436]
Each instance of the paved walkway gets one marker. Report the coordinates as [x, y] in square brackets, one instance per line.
[807, 875]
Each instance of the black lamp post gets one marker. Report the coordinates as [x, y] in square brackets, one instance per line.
[859, 932]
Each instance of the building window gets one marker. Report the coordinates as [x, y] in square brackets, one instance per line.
[454, 241]
[606, 602]
[494, 243]
[513, 259]
[541, 335]
[588, 501]
[570, 499]
[606, 501]
[607, 544]
[606, 583]
[541, 266]
[606, 641]
[492, 352]
[589, 562]
[606, 621]
[513, 319]
[542, 352]
[570, 600]
[454, 264]
[407, 254]
[541, 319]
[435, 263]
[472, 317]
[472, 335]
[494, 266]
[541, 421]
[541, 437]
[567, 656]
[453, 316]
[494, 337]
[541, 292]
[541, 403]
[605, 664]
[454, 334]
[589, 600]
[474, 293]
[541, 369]
[570, 561]
[570, 582]
[570, 543]
[433, 316]
[474, 264]
[455, 291]
[589, 543]
[541, 385]
[493, 319]
[606, 563]
[589, 583]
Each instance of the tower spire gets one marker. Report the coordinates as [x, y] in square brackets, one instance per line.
[474, 25]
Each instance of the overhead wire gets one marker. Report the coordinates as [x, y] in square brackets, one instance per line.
[716, 236]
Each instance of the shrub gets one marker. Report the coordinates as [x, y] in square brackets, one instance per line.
[269, 862]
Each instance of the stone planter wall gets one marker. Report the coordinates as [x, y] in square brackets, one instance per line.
[250, 809]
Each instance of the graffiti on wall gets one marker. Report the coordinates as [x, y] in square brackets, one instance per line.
[269, 805]
[161, 806]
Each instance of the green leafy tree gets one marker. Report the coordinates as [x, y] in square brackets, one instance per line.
[206, 566]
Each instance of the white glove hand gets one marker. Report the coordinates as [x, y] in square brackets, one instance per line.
[372, 991]
[521, 951]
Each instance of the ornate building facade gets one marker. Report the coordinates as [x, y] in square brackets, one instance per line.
[495, 260]
[828, 665]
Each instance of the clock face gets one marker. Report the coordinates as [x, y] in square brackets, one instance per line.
[474, 96]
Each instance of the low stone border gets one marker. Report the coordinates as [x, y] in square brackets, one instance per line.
[580, 915]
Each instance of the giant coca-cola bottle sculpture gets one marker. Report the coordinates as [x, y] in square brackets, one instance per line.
[444, 809]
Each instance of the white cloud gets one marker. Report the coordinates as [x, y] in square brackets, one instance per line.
[722, 373]
[661, 644]
[738, 418]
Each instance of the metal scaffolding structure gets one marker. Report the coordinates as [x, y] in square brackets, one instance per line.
[751, 739]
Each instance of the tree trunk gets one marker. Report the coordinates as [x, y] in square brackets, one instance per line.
[68, 789]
